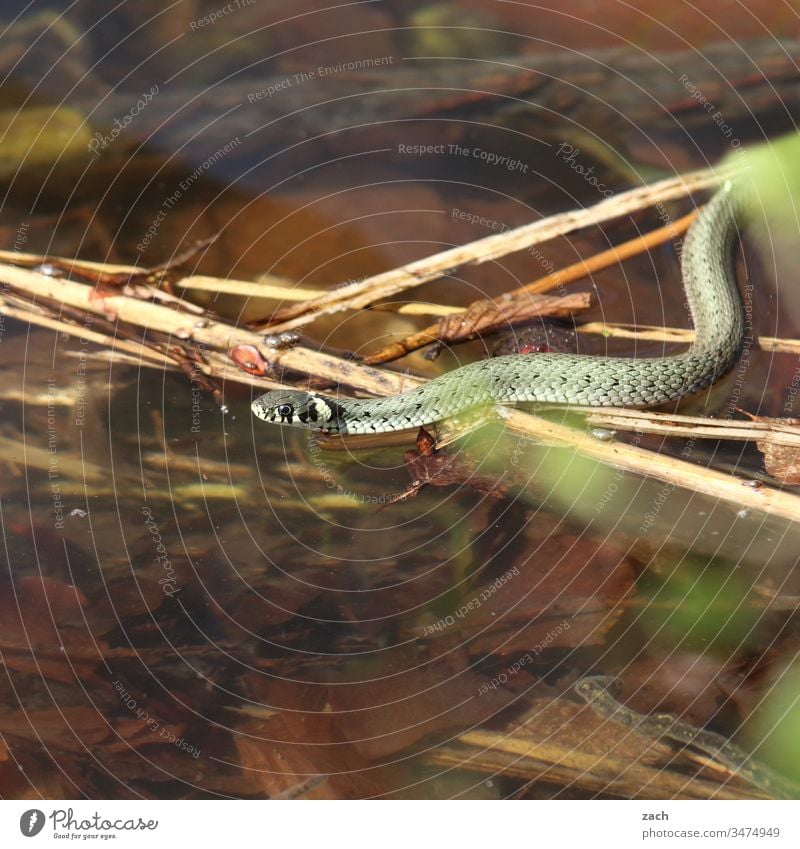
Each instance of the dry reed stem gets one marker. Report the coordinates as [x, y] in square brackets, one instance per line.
[679, 473]
[250, 289]
[188, 329]
[693, 427]
[613, 256]
[366, 292]
[680, 336]
[596, 765]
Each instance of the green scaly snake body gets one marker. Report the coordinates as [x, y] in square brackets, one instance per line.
[564, 379]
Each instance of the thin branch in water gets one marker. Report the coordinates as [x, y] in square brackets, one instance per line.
[481, 317]
[608, 258]
[613, 256]
[735, 491]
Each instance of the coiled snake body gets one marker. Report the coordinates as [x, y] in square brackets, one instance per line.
[564, 379]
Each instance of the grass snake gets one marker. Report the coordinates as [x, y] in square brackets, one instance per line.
[708, 272]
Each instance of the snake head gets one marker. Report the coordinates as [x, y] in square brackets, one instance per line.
[299, 409]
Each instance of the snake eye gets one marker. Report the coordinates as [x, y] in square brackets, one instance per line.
[285, 411]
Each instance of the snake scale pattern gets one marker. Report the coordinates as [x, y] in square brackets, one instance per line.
[708, 272]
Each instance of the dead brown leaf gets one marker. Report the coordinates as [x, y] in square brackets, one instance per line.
[71, 729]
[482, 317]
[566, 593]
[780, 461]
[394, 707]
[487, 316]
[284, 764]
[429, 468]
